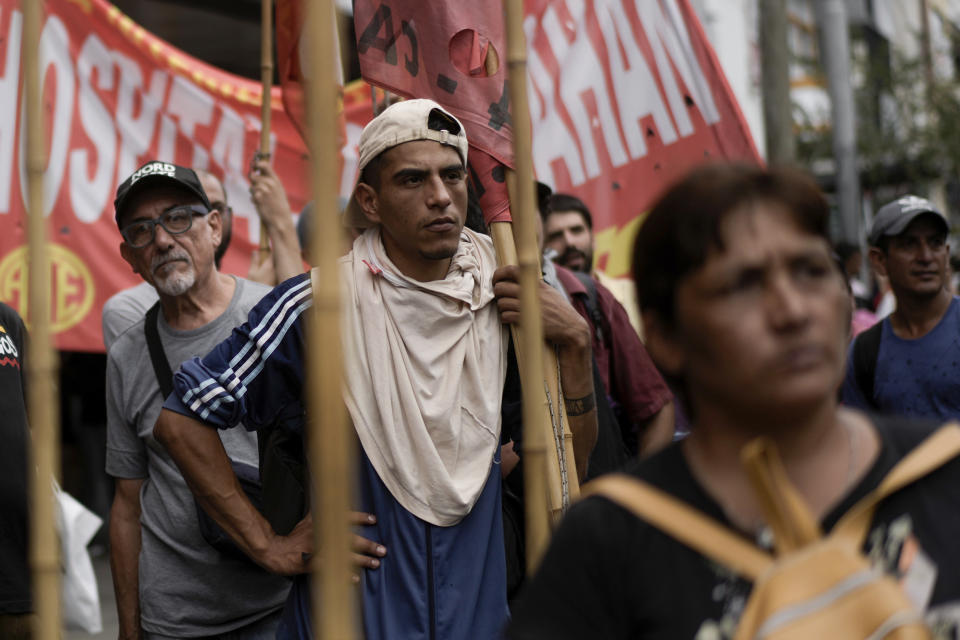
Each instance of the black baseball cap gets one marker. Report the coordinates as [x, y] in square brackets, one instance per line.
[158, 173]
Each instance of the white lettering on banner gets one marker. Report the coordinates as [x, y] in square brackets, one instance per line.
[8, 108]
[227, 151]
[671, 32]
[634, 79]
[55, 53]
[633, 82]
[168, 137]
[89, 195]
[581, 75]
[191, 106]
[551, 139]
[136, 133]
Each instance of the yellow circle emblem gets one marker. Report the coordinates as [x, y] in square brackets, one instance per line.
[71, 286]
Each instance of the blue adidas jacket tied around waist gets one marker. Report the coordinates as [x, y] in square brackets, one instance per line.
[435, 582]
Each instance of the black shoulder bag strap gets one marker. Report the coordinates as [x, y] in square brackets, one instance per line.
[866, 349]
[593, 306]
[161, 367]
[247, 475]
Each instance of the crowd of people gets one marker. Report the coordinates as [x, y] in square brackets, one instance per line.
[738, 323]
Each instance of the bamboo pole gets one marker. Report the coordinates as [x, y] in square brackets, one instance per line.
[41, 365]
[523, 207]
[330, 443]
[266, 105]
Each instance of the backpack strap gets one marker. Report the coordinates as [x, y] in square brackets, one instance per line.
[683, 522]
[866, 349]
[593, 306]
[784, 509]
[161, 367]
[938, 449]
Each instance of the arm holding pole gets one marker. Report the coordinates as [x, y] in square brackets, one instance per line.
[570, 333]
[270, 199]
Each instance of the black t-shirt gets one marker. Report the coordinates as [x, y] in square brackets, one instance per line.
[14, 568]
[608, 574]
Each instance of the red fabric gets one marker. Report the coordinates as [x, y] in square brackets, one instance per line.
[409, 47]
[625, 97]
[289, 20]
[116, 97]
[628, 373]
[489, 181]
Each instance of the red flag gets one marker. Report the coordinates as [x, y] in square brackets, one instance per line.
[625, 97]
[289, 21]
[437, 50]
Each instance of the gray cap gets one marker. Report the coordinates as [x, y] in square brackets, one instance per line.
[893, 218]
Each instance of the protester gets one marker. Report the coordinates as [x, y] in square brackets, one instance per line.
[908, 364]
[126, 307]
[851, 258]
[568, 230]
[746, 309]
[269, 197]
[168, 578]
[425, 361]
[640, 399]
[16, 603]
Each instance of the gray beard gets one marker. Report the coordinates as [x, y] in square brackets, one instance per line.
[176, 284]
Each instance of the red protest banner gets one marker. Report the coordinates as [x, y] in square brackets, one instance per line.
[625, 96]
[115, 97]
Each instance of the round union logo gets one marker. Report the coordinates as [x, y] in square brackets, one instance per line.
[71, 286]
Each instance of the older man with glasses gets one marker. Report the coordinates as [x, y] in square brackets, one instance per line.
[172, 575]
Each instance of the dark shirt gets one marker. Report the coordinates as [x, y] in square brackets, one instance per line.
[608, 574]
[14, 519]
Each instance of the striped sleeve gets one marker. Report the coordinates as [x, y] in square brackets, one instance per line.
[254, 376]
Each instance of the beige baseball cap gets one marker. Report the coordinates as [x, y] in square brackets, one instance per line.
[406, 121]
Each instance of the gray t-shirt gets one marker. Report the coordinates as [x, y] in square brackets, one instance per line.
[124, 308]
[187, 588]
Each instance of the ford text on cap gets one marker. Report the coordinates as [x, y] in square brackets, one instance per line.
[156, 173]
[893, 217]
[402, 122]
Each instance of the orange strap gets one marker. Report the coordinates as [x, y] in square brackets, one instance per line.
[683, 522]
[940, 447]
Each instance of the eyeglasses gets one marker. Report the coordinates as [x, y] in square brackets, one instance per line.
[175, 220]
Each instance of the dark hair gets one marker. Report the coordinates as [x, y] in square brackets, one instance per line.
[846, 249]
[475, 221]
[566, 202]
[685, 223]
[371, 172]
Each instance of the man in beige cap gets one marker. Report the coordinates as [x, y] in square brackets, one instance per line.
[425, 364]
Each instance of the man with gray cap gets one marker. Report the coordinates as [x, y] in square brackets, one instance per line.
[909, 363]
[425, 359]
[169, 578]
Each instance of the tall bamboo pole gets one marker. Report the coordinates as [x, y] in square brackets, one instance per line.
[523, 209]
[266, 81]
[41, 365]
[330, 442]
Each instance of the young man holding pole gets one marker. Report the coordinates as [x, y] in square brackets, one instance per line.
[425, 361]
[745, 307]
